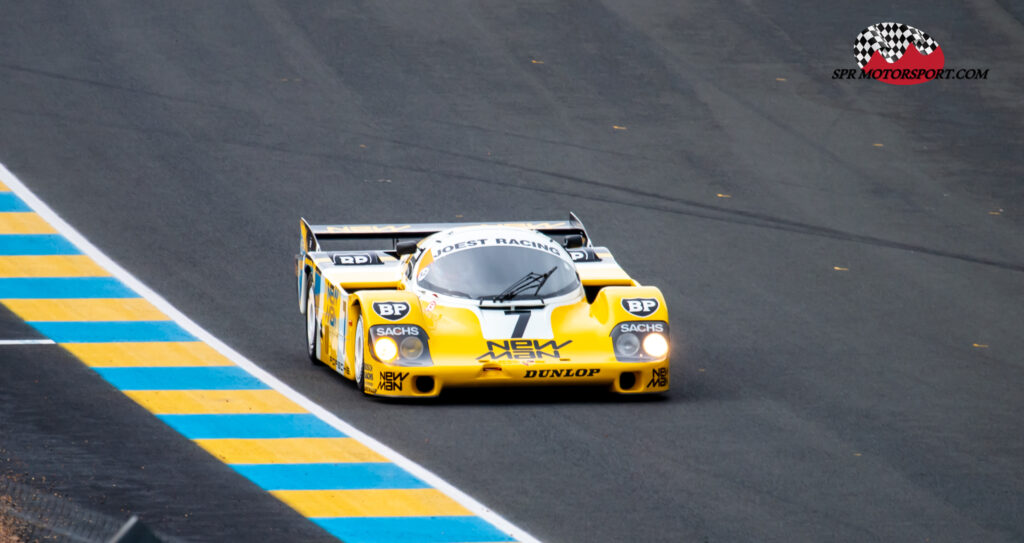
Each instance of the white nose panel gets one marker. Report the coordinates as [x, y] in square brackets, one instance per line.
[519, 323]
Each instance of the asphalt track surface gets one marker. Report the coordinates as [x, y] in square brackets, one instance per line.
[847, 323]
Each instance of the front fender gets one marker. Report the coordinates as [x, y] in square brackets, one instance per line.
[381, 307]
[387, 307]
[617, 304]
[396, 309]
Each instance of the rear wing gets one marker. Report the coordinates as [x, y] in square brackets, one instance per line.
[313, 234]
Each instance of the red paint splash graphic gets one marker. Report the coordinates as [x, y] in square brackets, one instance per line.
[898, 54]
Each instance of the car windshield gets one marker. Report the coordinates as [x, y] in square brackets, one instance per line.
[490, 272]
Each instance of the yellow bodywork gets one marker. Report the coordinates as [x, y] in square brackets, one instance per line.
[580, 353]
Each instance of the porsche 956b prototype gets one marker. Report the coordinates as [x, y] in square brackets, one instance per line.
[478, 304]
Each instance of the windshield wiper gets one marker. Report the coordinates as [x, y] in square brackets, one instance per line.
[532, 280]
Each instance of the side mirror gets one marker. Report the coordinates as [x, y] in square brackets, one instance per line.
[573, 242]
[405, 247]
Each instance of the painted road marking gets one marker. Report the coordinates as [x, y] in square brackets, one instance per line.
[296, 450]
[24, 223]
[250, 426]
[27, 342]
[155, 354]
[49, 266]
[363, 502]
[344, 476]
[215, 402]
[85, 309]
[10, 202]
[35, 244]
[112, 331]
[405, 529]
[62, 287]
[340, 478]
[186, 378]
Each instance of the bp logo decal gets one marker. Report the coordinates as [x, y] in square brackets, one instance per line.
[640, 307]
[391, 311]
[899, 54]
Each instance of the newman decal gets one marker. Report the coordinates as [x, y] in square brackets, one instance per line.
[640, 307]
[659, 378]
[391, 381]
[566, 373]
[523, 349]
[331, 305]
[392, 311]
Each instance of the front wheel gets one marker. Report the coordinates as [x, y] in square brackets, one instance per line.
[312, 328]
[358, 351]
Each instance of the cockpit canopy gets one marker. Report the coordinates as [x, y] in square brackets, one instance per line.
[497, 265]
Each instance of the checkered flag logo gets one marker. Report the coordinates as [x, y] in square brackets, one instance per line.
[892, 40]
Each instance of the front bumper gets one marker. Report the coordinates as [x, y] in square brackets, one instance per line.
[622, 377]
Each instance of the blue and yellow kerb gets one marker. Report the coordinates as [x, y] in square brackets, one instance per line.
[333, 479]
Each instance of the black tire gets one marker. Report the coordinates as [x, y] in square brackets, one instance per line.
[312, 327]
[359, 354]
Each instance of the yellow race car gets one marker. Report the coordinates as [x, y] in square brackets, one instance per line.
[477, 304]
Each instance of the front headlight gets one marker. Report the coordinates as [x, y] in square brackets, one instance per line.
[411, 347]
[401, 344]
[655, 345]
[627, 344]
[385, 348]
[640, 341]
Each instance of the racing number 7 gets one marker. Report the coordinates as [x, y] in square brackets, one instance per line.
[523, 318]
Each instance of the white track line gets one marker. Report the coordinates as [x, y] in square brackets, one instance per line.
[128, 279]
[26, 341]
